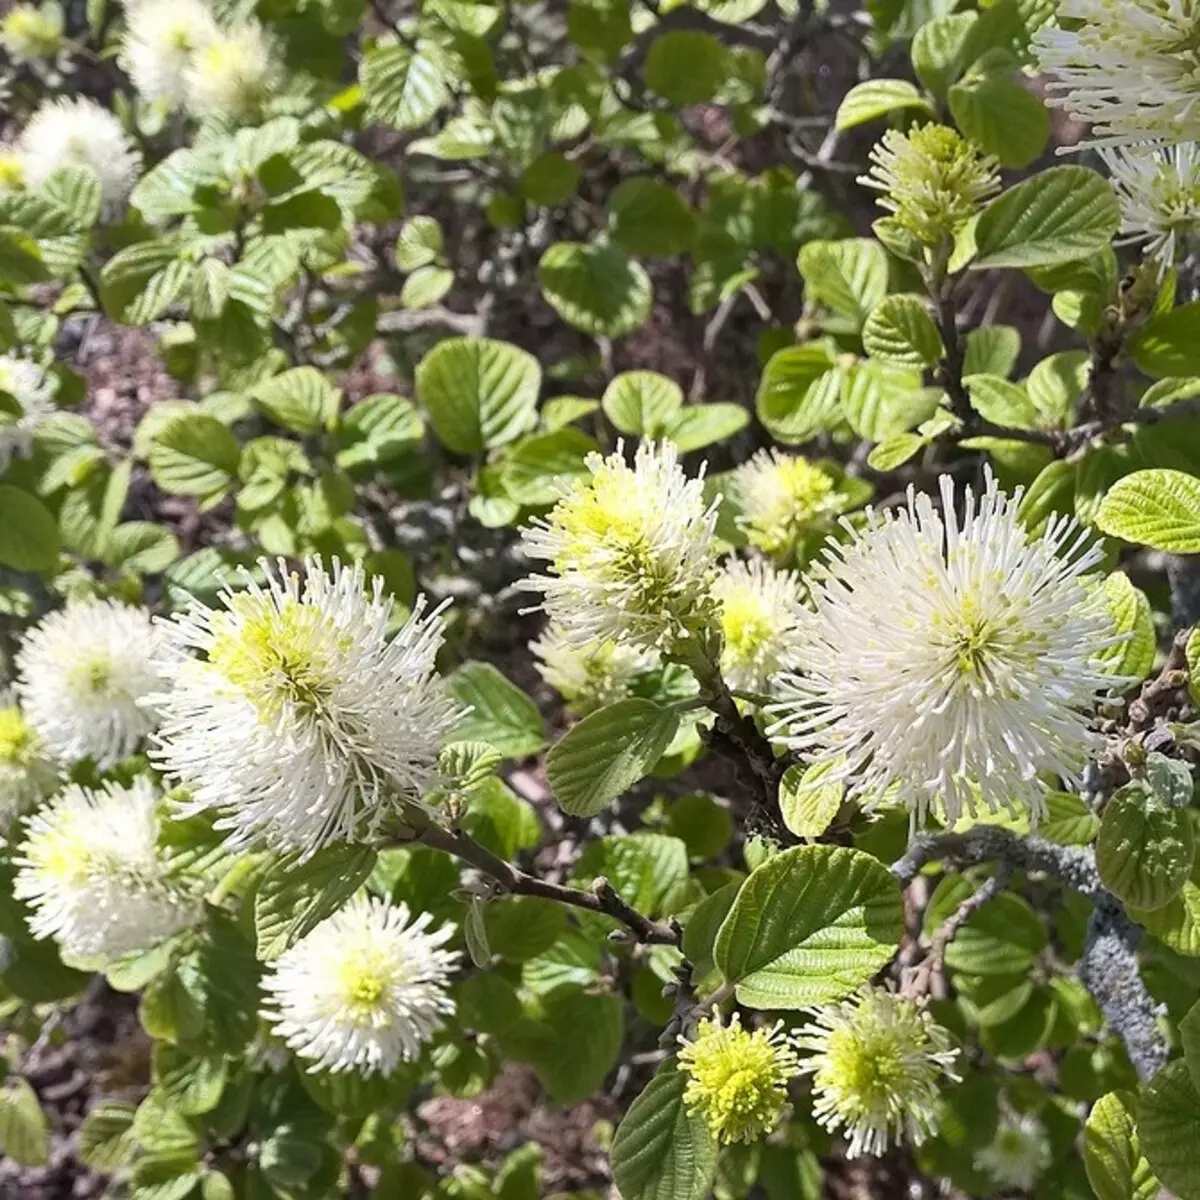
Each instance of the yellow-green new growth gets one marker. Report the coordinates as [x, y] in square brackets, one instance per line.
[737, 1080]
[933, 181]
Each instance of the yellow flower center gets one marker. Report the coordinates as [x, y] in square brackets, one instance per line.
[16, 738]
[278, 657]
[745, 626]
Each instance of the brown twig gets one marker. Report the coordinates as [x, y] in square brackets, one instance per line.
[602, 899]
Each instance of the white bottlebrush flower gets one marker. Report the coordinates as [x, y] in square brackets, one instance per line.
[364, 991]
[783, 498]
[590, 676]
[760, 623]
[79, 133]
[26, 773]
[955, 660]
[1128, 67]
[233, 73]
[29, 32]
[630, 551]
[161, 39]
[33, 392]
[84, 674]
[1018, 1153]
[879, 1063]
[302, 723]
[90, 870]
[1159, 193]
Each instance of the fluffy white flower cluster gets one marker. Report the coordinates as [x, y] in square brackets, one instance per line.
[591, 676]
[879, 1063]
[631, 553]
[1018, 1153]
[1131, 68]
[77, 133]
[947, 662]
[91, 872]
[84, 675]
[178, 55]
[1128, 67]
[760, 622]
[32, 392]
[30, 32]
[365, 990]
[784, 498]
[26, 773]
[292, 713]
[1159, 193]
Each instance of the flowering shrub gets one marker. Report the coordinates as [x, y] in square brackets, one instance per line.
[661, 561]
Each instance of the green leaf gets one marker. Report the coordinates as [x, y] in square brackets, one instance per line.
[302, 400]
[700, 425]
[651, 218]
[896, 451]
[1002, 402]
[539, 467]
[1177, 923]
[522, 927]
[876, 98]
[809, 926]
[168, 1011]
[608, 752]
[479, 393]
[24, 1136]
[1168, 345]
[799, 395]
[1000, 116]
[29, 539]
[550, 179]
[501, 714]
[642, 402]
[1145, 849]
[499, 819]
[106, 1142]
[1004, 937]
[419, 243]
[1056, 216]
[808, 805]
[596, 287]
[1157, 508]
[574, 1067]
[1112, 1152]
[1131, 615]
[648, 870]
[991, 350]
[425, 287]
[1068, 820]
[686, 67]
[880, 401]
[936, 50]
[403, 88]
[850, 275]
[296, 896]
[193, 455]
[900, 330]
[661, 1151]
[191, 1083]
[1168, 1123]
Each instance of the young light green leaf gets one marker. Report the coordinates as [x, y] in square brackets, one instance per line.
[596, 287]
[850, 275]
[1112, 1152]
[24, 1136]
[807, 803]
[876, 98]
[608, 752]
[642, 402]
[900, 330]
[1157, 508]
[479, 393]
[500, 713]
[194, 455]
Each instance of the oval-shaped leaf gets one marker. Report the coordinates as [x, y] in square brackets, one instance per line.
[29, 538]
[1156, 508]
[607, 752]
[596, 287]
[1145, 849]
[1058, 215]
[809, 926]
